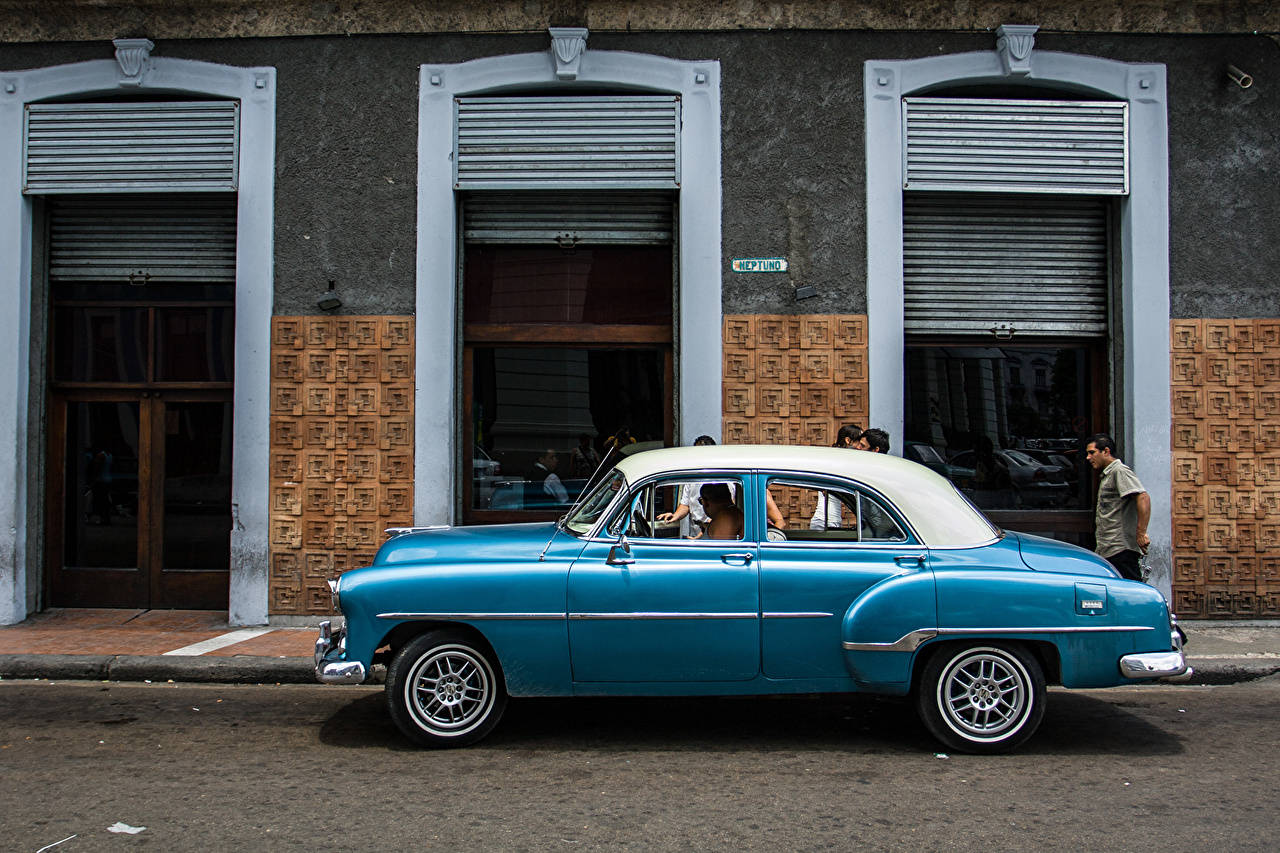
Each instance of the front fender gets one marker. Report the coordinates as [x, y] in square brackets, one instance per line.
[518, 609]
[877, 622]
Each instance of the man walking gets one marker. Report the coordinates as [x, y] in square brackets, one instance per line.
[1124, 509]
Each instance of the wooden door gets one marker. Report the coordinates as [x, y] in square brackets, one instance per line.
[138, 508]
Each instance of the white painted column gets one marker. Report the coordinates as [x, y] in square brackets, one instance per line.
[15, 321]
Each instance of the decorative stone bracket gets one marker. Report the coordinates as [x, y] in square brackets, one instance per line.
[132, 55]
[567, 46]
[1014, 43]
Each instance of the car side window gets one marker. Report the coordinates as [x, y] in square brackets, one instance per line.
[675, 509]
[826, 513]
[876, 524]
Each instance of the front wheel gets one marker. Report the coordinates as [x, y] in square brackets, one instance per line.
[983, 698]
[444, 690]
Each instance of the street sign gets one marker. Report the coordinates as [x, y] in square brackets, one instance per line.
[759, 264]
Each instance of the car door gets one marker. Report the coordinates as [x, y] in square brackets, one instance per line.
[649, 605]
[839, 539]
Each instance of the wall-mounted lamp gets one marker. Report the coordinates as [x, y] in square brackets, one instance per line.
[329, 301]
[1241, 79]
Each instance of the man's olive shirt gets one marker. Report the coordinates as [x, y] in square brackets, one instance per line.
[1116, 518]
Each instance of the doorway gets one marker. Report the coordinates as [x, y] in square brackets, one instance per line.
[139, 417]
[568, 309]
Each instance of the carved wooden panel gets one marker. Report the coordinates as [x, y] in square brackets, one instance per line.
[793, 380]
[1226, 467]
[341, 449]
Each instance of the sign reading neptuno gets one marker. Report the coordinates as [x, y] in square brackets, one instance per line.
[759, 264]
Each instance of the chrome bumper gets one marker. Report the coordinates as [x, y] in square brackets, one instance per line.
[331, 652]
[1147, 665]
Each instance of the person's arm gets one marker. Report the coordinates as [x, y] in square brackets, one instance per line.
[1144, 516]
[680, 512]
[772, 512]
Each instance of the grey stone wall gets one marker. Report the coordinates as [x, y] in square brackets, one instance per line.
[793, 156]
[88, 20]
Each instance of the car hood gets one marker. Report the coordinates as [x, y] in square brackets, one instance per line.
[1050, 555]
[481, 543]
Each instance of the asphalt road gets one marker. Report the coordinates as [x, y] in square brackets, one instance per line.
[230, 767]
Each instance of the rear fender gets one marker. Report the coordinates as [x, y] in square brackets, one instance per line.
[882, 628]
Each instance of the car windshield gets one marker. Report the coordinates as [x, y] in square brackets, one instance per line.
[1020, 458]
[589, 509]
[927, 453]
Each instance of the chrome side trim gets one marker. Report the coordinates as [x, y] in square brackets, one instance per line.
[785, 614]
[906, 643]
[1062, 629]
[911, 641]
[674, 614]
[468, 617]
[400, 531]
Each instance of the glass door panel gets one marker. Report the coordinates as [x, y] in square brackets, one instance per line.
[196, 528]
[101, 519]
[98, 463]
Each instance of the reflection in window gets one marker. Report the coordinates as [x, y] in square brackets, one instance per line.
[972, 417]
[544, 418]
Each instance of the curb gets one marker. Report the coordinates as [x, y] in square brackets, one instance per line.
[1230, 670]
[208, 670]
[262, 670]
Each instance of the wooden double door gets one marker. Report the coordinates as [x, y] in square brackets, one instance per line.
[139, 498]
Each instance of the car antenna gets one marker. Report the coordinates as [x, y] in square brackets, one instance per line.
[591, 481]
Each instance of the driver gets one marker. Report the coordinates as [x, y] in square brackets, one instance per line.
[726, 518]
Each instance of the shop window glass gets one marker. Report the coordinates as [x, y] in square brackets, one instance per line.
[543, 419]
[1008, 443]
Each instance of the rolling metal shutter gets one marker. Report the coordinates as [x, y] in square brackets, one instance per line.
[969, 144]
[143, 239]
[569, 218]
[1005, 265]
[615, 142]
[143, 146]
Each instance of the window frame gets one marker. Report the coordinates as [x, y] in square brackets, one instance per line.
[820, 483]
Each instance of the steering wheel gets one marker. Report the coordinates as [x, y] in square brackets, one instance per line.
[775, 534]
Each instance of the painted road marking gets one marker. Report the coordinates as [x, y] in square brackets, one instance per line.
[215, 643]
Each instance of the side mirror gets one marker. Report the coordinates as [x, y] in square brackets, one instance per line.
[620, 552]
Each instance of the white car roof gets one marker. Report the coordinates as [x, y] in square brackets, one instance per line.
[940, 515]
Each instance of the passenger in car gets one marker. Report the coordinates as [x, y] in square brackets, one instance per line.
[689, 506]
[726, 518]
[827, 515]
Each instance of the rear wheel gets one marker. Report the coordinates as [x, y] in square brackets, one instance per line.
[982, 698]
[444, 689]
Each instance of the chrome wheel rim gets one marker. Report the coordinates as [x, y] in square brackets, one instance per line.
[984, 695]
[450, 691]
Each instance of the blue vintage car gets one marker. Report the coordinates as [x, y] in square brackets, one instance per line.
[883, 578]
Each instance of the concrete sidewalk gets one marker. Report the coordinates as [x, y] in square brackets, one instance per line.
[199, 646]
[154, 645]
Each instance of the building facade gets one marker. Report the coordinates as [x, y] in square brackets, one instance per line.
[282, 280]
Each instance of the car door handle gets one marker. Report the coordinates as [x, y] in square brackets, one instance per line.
[910, 560]
[737, 559]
